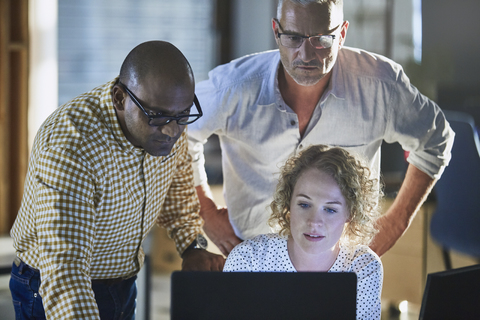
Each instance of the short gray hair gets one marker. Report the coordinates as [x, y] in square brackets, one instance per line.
[304, 3]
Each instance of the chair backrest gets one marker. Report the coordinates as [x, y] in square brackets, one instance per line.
[456, 221]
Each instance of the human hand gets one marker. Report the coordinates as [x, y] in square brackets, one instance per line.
[219, 230]
[202, 260]
[217, 225]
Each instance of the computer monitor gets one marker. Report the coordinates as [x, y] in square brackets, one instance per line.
[263, 295]
[452, 294]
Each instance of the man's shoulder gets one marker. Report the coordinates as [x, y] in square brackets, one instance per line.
[359, 62]
[75, 122]
[251, 67]
[364, 56]
[258, 58]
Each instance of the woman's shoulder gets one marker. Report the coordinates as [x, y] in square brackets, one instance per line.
[362, 250]
[266, 252]
[264, 241]
[357, 257]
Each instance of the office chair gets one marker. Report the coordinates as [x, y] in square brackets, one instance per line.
[455, 224]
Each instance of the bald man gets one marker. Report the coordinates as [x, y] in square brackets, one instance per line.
[104, 169]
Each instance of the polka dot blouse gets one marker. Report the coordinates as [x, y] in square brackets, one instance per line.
[269, 253]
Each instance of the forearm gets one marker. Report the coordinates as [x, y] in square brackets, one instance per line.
[180, 211]
[205, 196]
[393, 224]
[68, 295]
[65, 248]
[217, 224]
[412, 194]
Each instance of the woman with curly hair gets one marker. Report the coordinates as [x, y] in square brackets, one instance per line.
[325, 207]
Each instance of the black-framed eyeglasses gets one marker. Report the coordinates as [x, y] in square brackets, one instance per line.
[323, 41]
[157, 119]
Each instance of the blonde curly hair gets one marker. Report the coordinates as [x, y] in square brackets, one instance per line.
[361, 192]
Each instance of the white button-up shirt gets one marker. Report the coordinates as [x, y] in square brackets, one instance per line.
[369, 99]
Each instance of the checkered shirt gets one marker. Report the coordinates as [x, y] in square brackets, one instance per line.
[91, 198]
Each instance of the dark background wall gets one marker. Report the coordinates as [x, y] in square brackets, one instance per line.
[451, 53]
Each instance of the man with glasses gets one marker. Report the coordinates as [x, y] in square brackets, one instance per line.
[312, 90]
[105, 168]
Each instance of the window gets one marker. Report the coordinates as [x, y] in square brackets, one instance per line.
[95, 37]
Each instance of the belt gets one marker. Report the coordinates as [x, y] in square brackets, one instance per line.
[22, 265]
[108, 282]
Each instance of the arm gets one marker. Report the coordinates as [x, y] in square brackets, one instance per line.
[413, 192]
[215, 104]
[201, 260]
[217, 225]
[180, 215]
[419, 125]
[66, 236]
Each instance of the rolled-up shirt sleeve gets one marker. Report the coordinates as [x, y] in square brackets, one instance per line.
[419, 125]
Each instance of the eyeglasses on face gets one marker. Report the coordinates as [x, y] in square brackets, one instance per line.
[157, 119]
[323, 41]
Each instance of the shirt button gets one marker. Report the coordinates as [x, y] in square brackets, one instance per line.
[300, 146]
[292, 122]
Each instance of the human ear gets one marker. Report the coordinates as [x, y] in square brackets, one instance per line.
[118, 98]
[275, 29]
[343, 33]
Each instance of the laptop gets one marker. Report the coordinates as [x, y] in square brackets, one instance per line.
[263, 295]
[452, 294]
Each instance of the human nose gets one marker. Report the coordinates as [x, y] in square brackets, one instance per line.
[306, 51]
[316, 218]
[170, 129]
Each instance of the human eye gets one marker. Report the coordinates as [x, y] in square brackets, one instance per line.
[185, 112]
[155, 114]
[322, 42]
[326, 40]
[293, 38]
[304, 205]
[330, 210]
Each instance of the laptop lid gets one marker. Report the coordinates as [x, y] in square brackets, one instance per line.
[263, 295]
[452, 294]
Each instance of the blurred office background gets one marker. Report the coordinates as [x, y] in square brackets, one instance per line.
[53, 50]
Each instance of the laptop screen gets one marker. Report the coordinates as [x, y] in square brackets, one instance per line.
[452, 294]
[263, 295]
